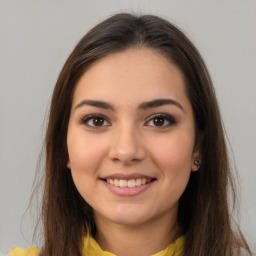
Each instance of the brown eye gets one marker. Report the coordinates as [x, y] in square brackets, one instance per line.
[95, 121]
[158, 121]
[98, 121]
[161, 120]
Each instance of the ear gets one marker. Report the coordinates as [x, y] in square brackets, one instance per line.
[196, 161]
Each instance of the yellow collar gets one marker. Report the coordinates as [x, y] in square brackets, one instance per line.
[92, 248]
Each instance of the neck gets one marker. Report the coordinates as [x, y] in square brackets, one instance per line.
[141, 240]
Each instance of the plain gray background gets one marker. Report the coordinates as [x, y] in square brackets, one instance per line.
[37, 36]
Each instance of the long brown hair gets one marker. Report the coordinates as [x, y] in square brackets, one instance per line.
[203, 210]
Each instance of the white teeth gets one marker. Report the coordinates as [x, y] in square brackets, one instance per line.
[138, 182]
[123, 183]
[131, 183]
[128, 183]
[116, 182]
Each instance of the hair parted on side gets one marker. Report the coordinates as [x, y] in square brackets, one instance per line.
[203, 210]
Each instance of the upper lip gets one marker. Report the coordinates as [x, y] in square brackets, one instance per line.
[124, 176]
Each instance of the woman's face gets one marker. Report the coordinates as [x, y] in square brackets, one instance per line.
[131, 137]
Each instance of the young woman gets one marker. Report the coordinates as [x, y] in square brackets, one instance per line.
[136, 162]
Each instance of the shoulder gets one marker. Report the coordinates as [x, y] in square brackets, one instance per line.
[31, 251]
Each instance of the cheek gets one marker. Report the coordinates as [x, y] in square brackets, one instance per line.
[173, 151]
[173, 156]
[85, 152]
[176, 166]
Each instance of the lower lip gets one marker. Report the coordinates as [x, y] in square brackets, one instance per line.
[128, 191]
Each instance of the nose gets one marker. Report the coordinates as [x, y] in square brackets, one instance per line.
[127, 146]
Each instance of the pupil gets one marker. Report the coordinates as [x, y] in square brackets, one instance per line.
[98, 121]
[158, 121]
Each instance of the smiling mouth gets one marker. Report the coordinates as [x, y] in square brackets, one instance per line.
[131, 183]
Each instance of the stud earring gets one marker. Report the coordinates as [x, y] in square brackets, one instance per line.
[197, 164]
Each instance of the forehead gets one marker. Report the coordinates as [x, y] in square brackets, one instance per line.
[136, 74]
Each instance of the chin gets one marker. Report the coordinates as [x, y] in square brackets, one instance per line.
[129, 220]
[129, 217]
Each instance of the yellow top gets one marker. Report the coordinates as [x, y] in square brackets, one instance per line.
[31, 251]
[92, 248]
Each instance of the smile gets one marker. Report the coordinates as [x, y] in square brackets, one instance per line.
[128, 183]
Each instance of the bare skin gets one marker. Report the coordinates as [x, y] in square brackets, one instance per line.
[143, 241]
[131, 145]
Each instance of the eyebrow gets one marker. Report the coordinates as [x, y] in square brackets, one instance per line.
[95, 103]
[159, 103]
[143, 106]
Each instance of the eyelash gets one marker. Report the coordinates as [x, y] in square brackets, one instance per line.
[165, 117]
[85, 120]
